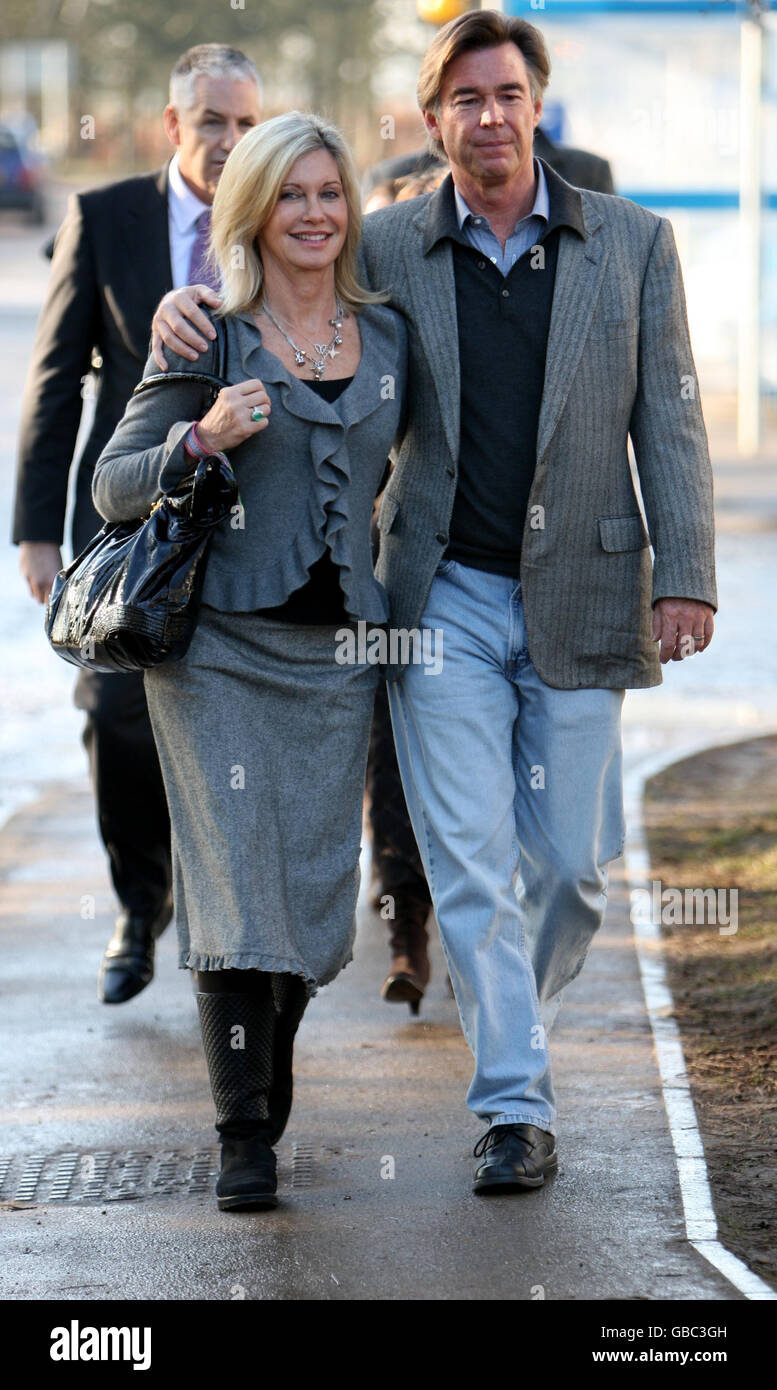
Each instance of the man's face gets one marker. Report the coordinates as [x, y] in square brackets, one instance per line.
[224, 109]
[487, 117]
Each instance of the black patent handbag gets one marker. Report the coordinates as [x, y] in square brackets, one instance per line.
[130, 599]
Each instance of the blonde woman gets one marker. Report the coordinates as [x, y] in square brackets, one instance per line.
[262, 732]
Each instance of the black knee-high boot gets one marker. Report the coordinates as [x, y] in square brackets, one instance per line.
[291, 1000]
[248, 1036]
[238, 1035]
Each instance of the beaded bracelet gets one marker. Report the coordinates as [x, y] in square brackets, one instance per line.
[194, 449]
[193, 446]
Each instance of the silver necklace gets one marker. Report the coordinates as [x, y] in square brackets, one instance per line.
[323, 350]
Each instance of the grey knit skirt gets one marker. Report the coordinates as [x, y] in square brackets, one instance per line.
[262, 739]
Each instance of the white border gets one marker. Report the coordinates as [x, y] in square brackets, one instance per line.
[700, 1222]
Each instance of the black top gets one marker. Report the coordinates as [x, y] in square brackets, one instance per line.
[320, 600]
[503, 324]
[503, 333]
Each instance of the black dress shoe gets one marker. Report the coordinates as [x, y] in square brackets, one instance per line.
[514, 1157]
[128, 964]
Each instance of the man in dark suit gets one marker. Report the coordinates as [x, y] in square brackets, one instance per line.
[577, 167]
[119, 249]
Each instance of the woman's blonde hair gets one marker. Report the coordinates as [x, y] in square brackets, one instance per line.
[248, 192]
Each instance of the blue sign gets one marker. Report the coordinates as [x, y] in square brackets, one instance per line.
[549, 9]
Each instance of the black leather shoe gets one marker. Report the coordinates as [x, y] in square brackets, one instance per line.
[248, 1176]
[514, 1157]
[128, 964]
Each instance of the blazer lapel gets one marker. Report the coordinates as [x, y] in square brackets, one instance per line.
[432, 289]
[147, 235]
[579, 274]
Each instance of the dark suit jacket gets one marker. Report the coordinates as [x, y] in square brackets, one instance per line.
[577, 167]
[110, 268]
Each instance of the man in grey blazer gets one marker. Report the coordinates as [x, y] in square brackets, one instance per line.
[547, 326]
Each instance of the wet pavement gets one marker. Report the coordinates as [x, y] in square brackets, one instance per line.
[375, 1165]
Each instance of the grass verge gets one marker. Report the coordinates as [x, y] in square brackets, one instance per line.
[711, 822]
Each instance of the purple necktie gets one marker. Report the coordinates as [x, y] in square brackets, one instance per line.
[201, 272]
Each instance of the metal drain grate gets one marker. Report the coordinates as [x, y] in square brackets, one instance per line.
[63, 1176]
[29, 1177]
[106, 1175]
[302, 1165]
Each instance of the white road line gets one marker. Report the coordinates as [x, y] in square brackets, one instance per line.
[700, 1222]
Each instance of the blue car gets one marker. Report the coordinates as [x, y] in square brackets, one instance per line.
[20, 178]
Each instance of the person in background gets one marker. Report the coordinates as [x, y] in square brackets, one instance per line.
[118, 250]
[396, 169]
[400, 892]
[578, 167]
[382, 196]
[410, 185]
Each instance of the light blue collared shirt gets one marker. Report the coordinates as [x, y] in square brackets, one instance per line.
[525, 233]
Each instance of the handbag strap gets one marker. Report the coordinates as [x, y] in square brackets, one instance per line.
[216, 381]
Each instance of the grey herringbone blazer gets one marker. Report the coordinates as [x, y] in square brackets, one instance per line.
[619, 365]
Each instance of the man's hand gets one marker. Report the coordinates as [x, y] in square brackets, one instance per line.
[40, 563]
[683, 625]
[181, 325]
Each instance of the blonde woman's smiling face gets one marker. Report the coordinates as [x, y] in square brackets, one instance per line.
[309, 223]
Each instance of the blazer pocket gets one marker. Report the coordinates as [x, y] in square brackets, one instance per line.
[622, 533]
[616, 328]
[387, 515]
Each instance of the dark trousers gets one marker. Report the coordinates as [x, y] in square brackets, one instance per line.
[397, 868]
[396, 864]
[132, 809]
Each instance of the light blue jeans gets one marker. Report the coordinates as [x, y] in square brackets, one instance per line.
[515, 793]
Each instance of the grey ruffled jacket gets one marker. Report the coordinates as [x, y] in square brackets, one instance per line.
[307, 481]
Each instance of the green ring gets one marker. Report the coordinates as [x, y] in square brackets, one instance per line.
[257, 414]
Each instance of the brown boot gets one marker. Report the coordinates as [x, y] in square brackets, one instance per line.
[410, 970]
